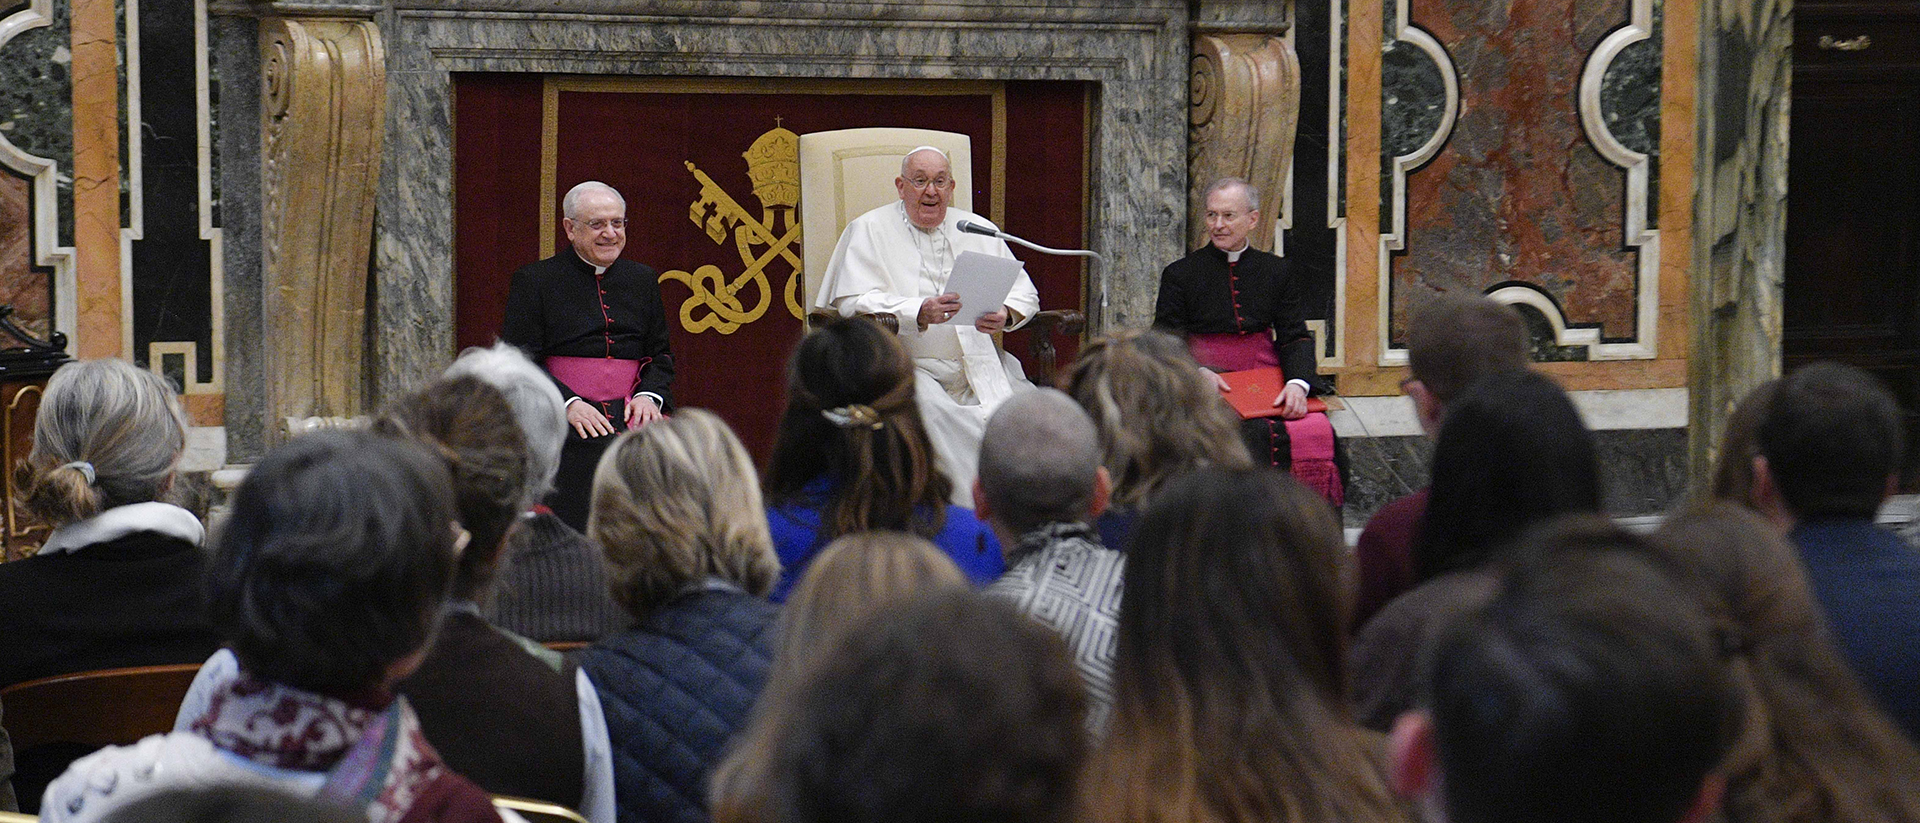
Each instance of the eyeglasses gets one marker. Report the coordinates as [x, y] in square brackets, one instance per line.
[617, 224]
[937, 182]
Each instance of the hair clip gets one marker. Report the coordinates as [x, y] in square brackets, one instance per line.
[847, 417]
[84, 467]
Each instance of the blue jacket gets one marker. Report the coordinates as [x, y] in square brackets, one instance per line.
[797, 537]
[1868, 581]
[676, 689]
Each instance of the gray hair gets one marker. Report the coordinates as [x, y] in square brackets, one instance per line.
[108, 433]
[570, 205]
[1252, 191]
[1038, 461]
[536, 405]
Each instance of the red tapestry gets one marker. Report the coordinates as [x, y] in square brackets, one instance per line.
[729, 250]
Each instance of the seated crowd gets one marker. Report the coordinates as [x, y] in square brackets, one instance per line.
[1134, 623]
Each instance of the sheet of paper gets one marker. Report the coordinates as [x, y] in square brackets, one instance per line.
[982, 281]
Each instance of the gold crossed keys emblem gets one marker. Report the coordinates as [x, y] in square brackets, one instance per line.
[773, 163]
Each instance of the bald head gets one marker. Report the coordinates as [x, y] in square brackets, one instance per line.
[1040, 461]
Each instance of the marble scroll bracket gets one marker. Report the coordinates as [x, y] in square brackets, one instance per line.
[1637, 164]
[1244, 112]
[323, 115]
[1393, 237]
[45, 194]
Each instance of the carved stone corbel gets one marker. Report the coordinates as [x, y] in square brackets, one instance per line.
[1245, 110]
[323, 115]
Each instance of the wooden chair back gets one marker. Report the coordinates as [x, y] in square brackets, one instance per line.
[111, 707]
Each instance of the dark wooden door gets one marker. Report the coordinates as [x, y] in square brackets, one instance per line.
[1853, 195]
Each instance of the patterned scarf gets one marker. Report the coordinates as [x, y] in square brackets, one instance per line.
[375, 759]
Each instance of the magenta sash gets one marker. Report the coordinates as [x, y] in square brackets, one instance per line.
[1311, 437]
[598, 379]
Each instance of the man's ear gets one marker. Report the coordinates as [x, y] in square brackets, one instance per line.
[1102, 493]
[981, 510]
[1765, 495]
[1426, 407]
[1412, 770]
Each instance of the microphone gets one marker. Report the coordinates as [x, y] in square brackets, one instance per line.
[979, 228]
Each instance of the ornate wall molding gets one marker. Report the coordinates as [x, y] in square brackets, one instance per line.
[1411, 134]
[1637, 230]
[323, 116]
[1244, 112]
[44, 174]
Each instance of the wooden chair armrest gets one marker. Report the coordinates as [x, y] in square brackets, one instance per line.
[817, 318]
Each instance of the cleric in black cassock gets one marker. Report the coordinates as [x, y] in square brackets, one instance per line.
[594, 321]
[1238, 307]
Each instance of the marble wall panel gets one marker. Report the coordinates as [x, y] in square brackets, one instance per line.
[36, 101]
[1518, 193]
[236, 60]
[29, 289]
[1136, 53]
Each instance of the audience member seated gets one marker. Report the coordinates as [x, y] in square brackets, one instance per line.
[1041, 486]
[1230, 685]
[502, 711]
[117, 583]
[1158, 418]
[327, 581]
[1454, 341]
[1512, 452]
[676, 507]
[949, 707]
[1813, 745]
[233, 804]
[551, 585]
[1739, 445]
[845, 588]
[852, 455]
[1589, 690]
[1830, 450]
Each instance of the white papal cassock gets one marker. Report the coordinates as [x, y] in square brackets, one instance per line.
[885, 264]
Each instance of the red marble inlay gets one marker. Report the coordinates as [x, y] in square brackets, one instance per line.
[29, 291]
[1517, 193]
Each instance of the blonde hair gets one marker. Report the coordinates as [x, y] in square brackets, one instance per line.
[676, 502]
[843, 588]
[1158, 418]
[123, 422]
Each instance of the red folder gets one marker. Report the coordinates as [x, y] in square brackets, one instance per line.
[1254, 391]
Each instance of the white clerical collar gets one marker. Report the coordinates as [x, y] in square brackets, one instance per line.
[1234, 256]
[120, 521]
[603, 269]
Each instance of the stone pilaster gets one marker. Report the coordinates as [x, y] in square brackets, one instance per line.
[1244, 83]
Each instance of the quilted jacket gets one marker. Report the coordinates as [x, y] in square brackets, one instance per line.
[676, 689]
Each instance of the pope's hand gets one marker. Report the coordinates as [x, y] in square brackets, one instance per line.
[990, 323]
[936, 310]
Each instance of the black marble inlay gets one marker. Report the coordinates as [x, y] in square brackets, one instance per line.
[1413, 93]
[1310, 243]
[1540, 340]
[36, 102]
[172, 264]
[1630, 102]
[1381, 470]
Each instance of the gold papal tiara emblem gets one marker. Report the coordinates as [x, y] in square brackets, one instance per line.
[773, 165]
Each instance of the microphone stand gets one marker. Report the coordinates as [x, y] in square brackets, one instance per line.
[979, 228]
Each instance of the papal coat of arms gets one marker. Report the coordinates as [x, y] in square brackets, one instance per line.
[770, 241]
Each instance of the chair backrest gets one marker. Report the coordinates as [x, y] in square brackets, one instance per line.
[849, 172]
[111, 707]
[537, 811]
[16, 817]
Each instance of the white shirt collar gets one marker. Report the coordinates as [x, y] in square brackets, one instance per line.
[120, 521]
[1234, 256]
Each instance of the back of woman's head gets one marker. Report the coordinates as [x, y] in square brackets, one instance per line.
[852, 577]
[948, 707]
[1512, 452]
[537, 406]
[1230, 679]
[335, 560]
[1158, 417]
[470, 425]
[107, 434]
[1814, 745]
[675, 503]
[851, 417]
